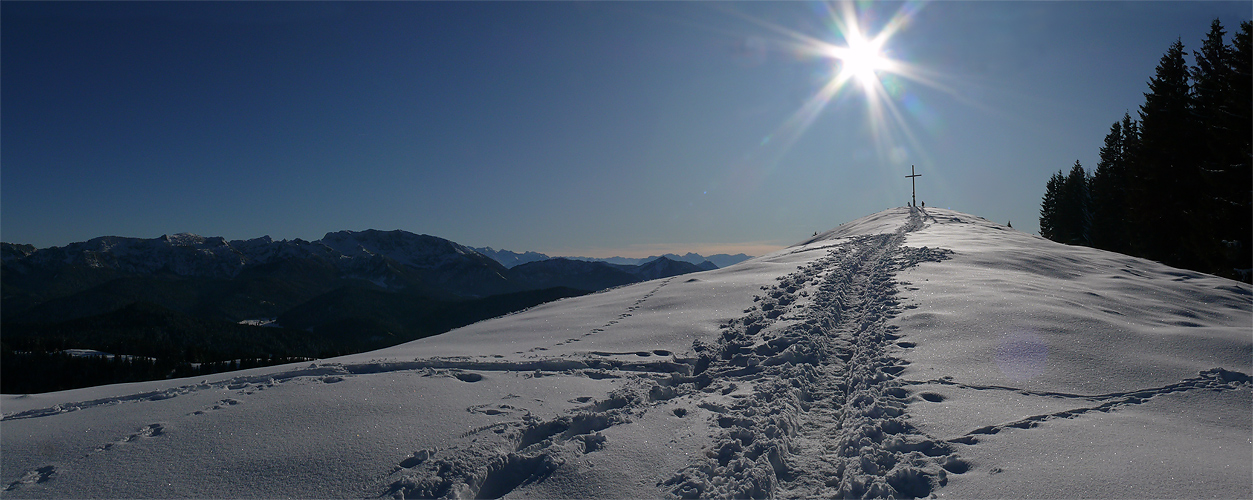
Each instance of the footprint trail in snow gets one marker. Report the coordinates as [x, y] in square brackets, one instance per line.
[802, 391]
[799, 396]
[810, 405]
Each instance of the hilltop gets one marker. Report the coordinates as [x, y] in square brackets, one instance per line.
[908, 353]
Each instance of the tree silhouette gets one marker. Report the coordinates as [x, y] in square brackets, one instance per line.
[1177, 185]
[1048, 207]
[1166, 180]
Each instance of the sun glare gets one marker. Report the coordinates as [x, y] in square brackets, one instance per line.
[861, 60]
[855, 48]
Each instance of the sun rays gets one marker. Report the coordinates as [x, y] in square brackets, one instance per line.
[861, 57]
[860, 60]
[865, 65]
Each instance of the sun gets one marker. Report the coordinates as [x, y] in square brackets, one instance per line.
[862, 59]
[853, 53]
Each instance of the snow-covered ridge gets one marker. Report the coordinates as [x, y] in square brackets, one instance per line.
[417, 250]
[908, 353]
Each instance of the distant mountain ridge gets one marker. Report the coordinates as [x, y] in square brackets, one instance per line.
[212, 276]
[512, 259]
[185, 295]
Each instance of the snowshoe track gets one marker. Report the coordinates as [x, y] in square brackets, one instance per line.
[1215, 380]
[823, 412]
[529, 450]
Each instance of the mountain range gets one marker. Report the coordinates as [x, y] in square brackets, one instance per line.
[262, 277]
[349, 291]
[511, 259]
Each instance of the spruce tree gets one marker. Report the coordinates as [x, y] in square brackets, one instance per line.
[1239, 183]
[1177, 186]
[1048, 207]
[1165, 183]
[1211, 101]
[1211, 84]
[1108, 190]
[1074, 208]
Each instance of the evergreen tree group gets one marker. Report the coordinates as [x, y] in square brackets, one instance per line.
[1176, 185]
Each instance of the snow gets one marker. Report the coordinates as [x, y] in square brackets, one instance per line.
[86, 353]
[908, 353]
[92, 353]
[268, 322]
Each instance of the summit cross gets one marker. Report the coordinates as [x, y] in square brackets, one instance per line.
[913, 189]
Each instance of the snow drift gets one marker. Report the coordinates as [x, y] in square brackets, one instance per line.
[909, 353]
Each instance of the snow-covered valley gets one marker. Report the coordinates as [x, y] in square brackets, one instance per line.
[909, 353]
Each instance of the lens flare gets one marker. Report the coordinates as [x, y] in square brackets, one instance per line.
[1022, 356]
[859, 61]
[861, 58]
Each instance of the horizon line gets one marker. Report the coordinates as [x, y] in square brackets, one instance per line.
[645, 250]
[632, 251]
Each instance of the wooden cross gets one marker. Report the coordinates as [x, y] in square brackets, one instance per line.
[913, 190]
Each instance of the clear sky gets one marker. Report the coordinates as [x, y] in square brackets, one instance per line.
[580, 128]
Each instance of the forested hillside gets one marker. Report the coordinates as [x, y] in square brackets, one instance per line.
[1173, 186]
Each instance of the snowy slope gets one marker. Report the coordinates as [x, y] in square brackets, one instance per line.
[907, 353]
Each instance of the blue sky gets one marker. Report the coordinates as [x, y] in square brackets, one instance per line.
[577, 128]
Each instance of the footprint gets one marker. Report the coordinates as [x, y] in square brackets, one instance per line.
[148, 431]
[417, 458]
[509, 472]
[468, 377]
[229, 402]
[932, 397]
[36, 476]
[490, 409]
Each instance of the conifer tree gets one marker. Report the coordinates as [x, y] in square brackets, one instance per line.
[1108, 190]
[1074, 208]
[1242, 94]
[1211, 84]
[1224, 145]
[1239, 183]
[1176, 186]
[1165, 182]
[1048, 207]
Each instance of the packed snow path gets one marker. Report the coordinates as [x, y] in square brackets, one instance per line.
[810, 406]
[803, 388]
[818, 371]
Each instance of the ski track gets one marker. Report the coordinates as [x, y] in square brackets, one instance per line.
[801, 393]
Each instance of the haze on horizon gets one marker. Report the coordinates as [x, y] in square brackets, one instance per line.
[593, 129]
